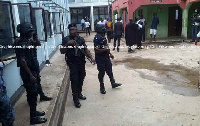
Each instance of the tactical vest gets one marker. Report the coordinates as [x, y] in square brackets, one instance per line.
[75, 54]
[29, 52]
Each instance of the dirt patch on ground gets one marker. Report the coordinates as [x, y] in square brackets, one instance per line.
[150, 64]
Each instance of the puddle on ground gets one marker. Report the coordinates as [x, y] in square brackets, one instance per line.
[175, 78]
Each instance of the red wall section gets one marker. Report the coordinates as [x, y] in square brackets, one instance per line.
[132, 5]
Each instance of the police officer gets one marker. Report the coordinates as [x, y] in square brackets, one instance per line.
[75, 51]
[29, 69]
[102, 58]
[6, 110]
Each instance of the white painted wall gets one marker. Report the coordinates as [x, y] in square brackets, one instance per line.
[87, 3]
[11, 71]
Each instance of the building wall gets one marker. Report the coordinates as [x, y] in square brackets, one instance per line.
[11, 72]
[133, 5]
[86, 3]
[162, 13]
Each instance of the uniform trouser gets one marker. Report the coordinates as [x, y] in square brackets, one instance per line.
[193, 33]
[87, 30]
[117, 38]
[31, 90]
[83, 25]
[143, 34]
[39, 86]
[195, 30]
[77, 75]
[6, 112]
[105, 66]
[139, 44]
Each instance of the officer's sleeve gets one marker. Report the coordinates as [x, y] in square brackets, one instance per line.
[96, 42]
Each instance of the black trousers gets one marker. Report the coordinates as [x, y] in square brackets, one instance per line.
[87, 30]
[105, 66]
[143, 34]
[117, 38]
[83, 25]
[77, 75]
[31, 90]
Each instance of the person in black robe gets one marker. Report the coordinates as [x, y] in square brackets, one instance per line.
[131, 34]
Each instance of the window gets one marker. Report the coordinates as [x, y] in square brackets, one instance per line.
[77, 15]
[100, 12]
[47, 24]
[38, 23]
[63, 21]
[71, 1]
[6, 30]
[24, 12]
[56, 22]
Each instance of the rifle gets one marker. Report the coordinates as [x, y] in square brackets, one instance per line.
[82, 51]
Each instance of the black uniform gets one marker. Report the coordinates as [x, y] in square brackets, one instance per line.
[30, 56]
[75, 59]
[131, 32]
[118, 30]
[103, 60]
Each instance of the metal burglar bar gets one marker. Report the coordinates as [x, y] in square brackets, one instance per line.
[7, 30]
[56, 22]
[24, 11]
[47, 23]
[50, 3]
[39, 23]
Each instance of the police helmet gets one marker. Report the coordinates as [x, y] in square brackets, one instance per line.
[100, 28]
[24, 28]
[71, 25]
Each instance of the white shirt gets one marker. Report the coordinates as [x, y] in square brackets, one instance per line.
[87, 24]
[101, 22]
[139, 25]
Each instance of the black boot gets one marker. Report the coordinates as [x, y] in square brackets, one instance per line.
[45, 98]
[130, 50]
[114, 85]
[102, 89]
[77, 104]
[40, 113]
[82, 97]
[117, 49]
[37, 120]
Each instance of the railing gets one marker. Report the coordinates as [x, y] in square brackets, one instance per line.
[61, 3]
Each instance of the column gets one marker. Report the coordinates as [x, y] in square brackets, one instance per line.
[92, 18]
[184, 23]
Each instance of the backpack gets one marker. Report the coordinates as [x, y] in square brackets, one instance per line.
[109, 24]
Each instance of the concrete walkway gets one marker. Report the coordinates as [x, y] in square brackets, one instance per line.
[148, 97]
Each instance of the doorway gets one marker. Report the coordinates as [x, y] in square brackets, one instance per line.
[175, 21]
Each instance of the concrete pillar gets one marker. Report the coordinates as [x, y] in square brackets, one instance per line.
[92, 18]
[185, 23]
